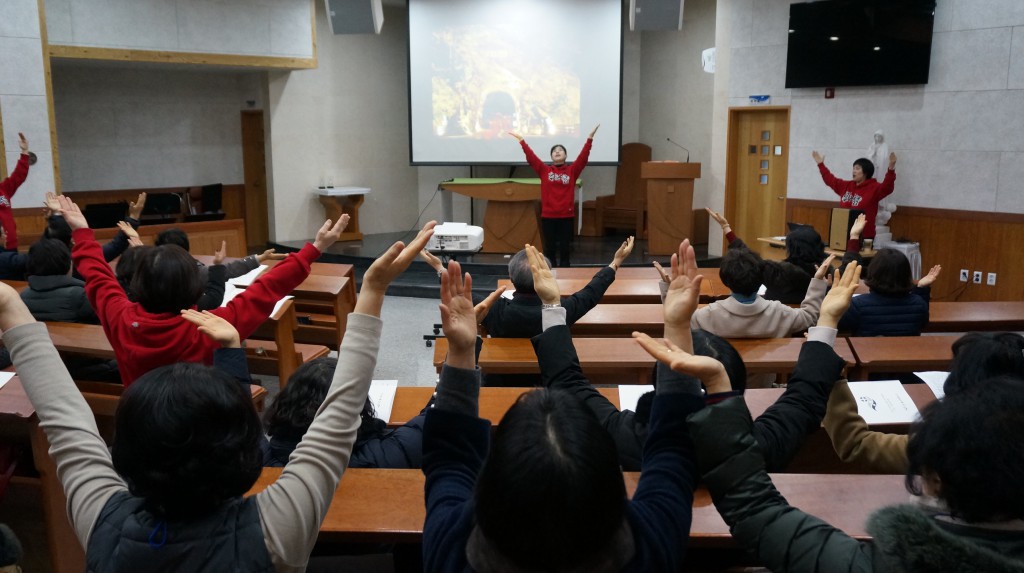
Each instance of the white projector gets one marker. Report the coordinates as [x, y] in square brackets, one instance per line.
[456, 238]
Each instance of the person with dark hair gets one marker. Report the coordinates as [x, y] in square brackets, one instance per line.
[235, 268]
[150, 332]
[289, 416]
[779, 430]
[52, 293]
[13, 264]
[864, 192]
[977, 356]
[169, 497]
[547, 490]
[745, 314]
[557, 200]
[520, 316]
[786, 281]
[58, 228]
[966, 458]
[895, 306]
[8, 187]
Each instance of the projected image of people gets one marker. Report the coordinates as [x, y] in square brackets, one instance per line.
[485, 83]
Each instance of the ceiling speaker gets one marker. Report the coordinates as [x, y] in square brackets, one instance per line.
[655, 15]
[355, 16]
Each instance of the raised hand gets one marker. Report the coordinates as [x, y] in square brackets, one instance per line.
[51, 203]
[485, 305]
[892, 160]
[622, 253]
[135, 207]
[135, 242]
[824, 267]
[72, 214]
[516, 135]
[682, 296]
[392, 263]
[661, 272]
[929, 278]
[219, 255]
[458, 317]
[434, 262]
[13, 311]
[593, 131]
[835, 303]
[269, 255]
[818, 158]
[718, 217]
[710, 371]
[328, 234]
[22, 143]
[858, 226]
[544, 283]
[128, 230]
[220, 330]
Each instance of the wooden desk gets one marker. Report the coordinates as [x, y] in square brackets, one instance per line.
[621, 320]
[975, 316]
[865, 253]
[386, 506]
[711, 289]
[627, 362]
[901, 353]
[622, 292]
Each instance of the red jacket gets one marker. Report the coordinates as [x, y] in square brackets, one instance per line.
[8, 187]
[557, 182]
[864, 196]
[143, 341]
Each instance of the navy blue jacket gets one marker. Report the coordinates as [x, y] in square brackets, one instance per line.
[876, 314]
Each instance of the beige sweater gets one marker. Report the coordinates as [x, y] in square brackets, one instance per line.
[291, 509]
[855, 443]
[730, 318]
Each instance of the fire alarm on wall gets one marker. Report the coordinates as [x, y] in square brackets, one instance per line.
[830, 93]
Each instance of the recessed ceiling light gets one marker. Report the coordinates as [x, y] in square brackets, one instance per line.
[878, 48]
[834, 38]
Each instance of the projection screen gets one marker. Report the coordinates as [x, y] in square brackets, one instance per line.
[549, 71]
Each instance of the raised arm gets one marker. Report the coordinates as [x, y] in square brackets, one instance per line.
[292, 509]
[535, 163]
[580, 164]
[455, 439]
[9, 186]
[83, 462]
[581, 301]
[834, 183]
[782, 428]
[800, 319]
[888, 184]
[682, 297]
[105, 294]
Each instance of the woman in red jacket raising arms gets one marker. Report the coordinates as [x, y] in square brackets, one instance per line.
[556, 197]
[864, 192]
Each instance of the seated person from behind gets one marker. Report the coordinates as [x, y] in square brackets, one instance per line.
[895, 306]
[294, 409]
[547, 494]
[779, 430]
[977, 356]
[151, 332]
[745, 314]
[52, 293]
[169, 494]
[58, 228]
[520, 317]
[786, 281]
[12, 263]
[213, 289]
[233, 269]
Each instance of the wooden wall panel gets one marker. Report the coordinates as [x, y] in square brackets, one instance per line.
[973, 240]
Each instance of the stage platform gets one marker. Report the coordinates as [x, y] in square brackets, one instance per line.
[487, 268]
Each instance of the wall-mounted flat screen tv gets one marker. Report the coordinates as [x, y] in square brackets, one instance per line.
[859, 43]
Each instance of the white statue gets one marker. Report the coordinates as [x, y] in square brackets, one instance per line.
[884, 214]
[878, 153]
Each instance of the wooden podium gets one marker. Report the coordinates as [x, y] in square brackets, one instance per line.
[669, 203]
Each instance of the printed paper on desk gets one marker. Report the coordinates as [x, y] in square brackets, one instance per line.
[936, 381]
[382, 396]
[230, 292]
[630, 395]
[883, 402]
[246, 279]
[5, 377]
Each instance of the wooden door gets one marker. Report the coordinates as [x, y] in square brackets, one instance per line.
[756, 173]
[254, 169]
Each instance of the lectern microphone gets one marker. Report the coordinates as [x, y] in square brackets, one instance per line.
[669, 139]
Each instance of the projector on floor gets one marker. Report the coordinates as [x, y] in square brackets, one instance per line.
[456, 238]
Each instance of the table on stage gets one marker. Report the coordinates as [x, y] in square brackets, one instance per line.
[511, 218]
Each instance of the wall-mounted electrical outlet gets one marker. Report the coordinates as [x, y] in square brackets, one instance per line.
[964, 275]
[977, 278]
[991, 279]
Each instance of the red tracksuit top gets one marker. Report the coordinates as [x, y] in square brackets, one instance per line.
[864, 196]
[557, 182]
[8, 187]
[143, 341]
